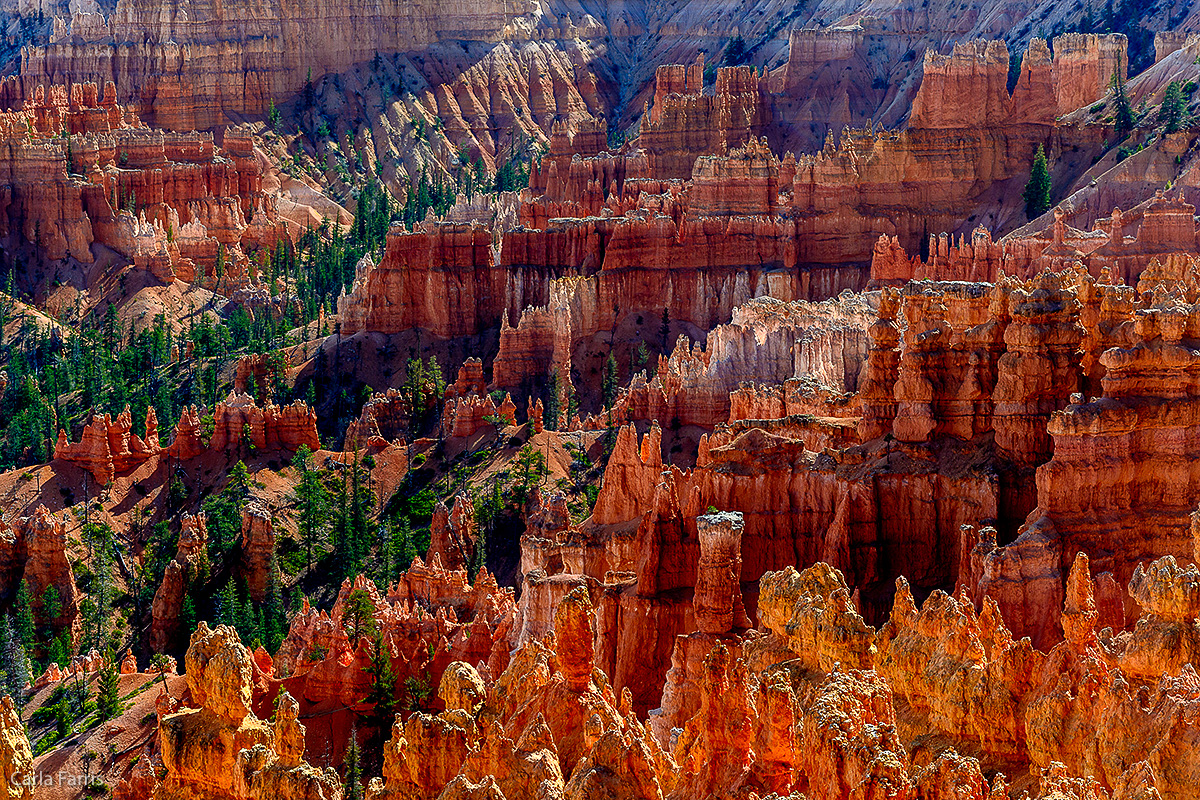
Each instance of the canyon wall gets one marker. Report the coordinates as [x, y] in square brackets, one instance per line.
[189, 67]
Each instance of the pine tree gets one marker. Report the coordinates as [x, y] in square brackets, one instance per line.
[226, 611]
[274, 624]
[1014, 69]
[359, 616]
[609, 383]
[550, 417]
[479, 557]
[309, 95]
[1171, 112]
[1037, 191]
[26, 628]
[358, 520]
[97, 606]
[382, 693]
[1124, 111]
[13, 662]
[187, 618]
[51, 605]
[108, 696]
[402, 548]
[341, 533]
[313, 501]
[352, 786]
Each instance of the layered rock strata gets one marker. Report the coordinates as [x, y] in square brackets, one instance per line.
[33, 550]
[1165, 226]
[83, 170]
[193, 68]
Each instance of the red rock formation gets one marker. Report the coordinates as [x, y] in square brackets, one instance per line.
[815, 350]
[718, 601]
[429, 619]
[163, 201]
[1087, 493]
[385, 417]
[1166, 226]
[684, 123]
[717, 609]
[439, 277]
[107, 447]
[467, 415]
[1084, 64]
[258, 550]
[820, 703]
[469, 380]
[966, 89]
[36, 553]
[238, 422]
[16, 757]
[220, 748]
[809, 616]
[180, 571]
[452, 533]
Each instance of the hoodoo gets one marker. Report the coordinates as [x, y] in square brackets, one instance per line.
[625, 401]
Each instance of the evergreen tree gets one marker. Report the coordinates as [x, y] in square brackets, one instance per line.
[664, 329]
[639, 358]
[96, 608]
[13, 662]
[1124, 119]
[226, 612]
[1037, 191]
[610, 382]
[108, 696]
[352, 786]
[224, 513]
[1014, 69]
[736, 52]
[572, 403]
[479, 557]
[274, 625]
[309, 95]
[550, 416]
[1171, 112]
[358, 519]
[382, 693]
[26, 628]
[401, 549]
[51, 605]
[313, 501]
[187, 618]
[341, 532]
[358, 618]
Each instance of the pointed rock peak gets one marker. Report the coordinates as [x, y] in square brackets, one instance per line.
[537, 736]
[574, 628]
[904, 608]
[1079, 613]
